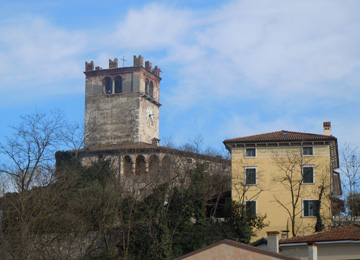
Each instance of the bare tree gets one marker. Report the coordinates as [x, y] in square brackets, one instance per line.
[31, 149]
[292, 174]
[350, 172]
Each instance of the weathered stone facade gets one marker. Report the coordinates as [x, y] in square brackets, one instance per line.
[121, 104]
[122, 124]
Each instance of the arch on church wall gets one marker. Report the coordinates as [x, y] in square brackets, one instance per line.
[118, 84]
[154, 164]
[166, 163]
[127, 165]
[140, 167]
[108, 85]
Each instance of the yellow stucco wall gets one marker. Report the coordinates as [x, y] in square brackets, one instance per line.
[271, 164]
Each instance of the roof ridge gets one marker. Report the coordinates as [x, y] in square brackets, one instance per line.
[279, 135]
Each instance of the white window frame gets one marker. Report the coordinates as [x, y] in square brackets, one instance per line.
[303, 208]
[250, 167]
[313, 173]
[252, 148]
[312, 150]
[255, 206]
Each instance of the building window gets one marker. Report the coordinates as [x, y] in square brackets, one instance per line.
[146, 87]
[308, 151]
[250, 208]
[250, 152]
[310, 208]
[108, 86]
[118, 84]
[308, 174]
[250, 175]
[151, 90]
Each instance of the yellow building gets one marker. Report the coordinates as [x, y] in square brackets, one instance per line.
[287, 176]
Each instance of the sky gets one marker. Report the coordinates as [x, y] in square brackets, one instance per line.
[230, 68]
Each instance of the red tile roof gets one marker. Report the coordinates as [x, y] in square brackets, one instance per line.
[336, 234]
[282, 135]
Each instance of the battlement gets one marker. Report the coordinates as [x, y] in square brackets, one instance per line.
[113, 64]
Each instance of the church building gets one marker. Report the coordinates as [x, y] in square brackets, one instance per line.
[122, 106]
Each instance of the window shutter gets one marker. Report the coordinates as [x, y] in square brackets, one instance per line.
[306, 208]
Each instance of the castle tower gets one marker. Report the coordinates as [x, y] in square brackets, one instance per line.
[121, 104]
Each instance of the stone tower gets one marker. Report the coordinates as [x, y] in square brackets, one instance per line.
[121, 104]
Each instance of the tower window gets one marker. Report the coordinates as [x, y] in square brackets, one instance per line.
[108, 85]
[118, 84]
[151, 89]
[147, 87]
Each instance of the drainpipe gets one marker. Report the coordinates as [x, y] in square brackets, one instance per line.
[273, 241]
[312, 251]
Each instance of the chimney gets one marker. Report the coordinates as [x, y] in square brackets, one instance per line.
[155, 141]
[327, 127]
[312, 251]
[273, 241]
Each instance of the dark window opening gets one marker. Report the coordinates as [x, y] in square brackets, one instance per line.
[308, 174]
[140, 165]
[147, 87]
[250, 207]
[307, 151]
[250, 176]
[118, 85]
[250, 152]
[108, 85]
[154, 165]
[311, 208]
[127, 163]
[151, 90]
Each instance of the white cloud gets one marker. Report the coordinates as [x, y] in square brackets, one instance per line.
[282, 47]
[34, 52]
[153, 27]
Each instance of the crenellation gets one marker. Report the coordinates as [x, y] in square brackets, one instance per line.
[113, 64]
[89, 66]
[148, 65]
[156, 71]
[138, 61]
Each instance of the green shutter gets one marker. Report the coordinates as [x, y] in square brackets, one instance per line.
[306, 208]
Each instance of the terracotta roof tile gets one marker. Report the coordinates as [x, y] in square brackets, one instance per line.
[282, 135]
[336, 234]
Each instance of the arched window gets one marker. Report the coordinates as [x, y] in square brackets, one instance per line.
[108, 85]
[147, 87]
[140, 165]
[118, 84]
[127, 165]
[154, 164]
[151, 89]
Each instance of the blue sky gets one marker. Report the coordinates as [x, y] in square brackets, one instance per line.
[231, 68]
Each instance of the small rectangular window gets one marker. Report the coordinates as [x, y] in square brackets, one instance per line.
[250, 152]
[250, 175]
[250, 208]
[308, 151]
[308, 174]
[310, 208]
